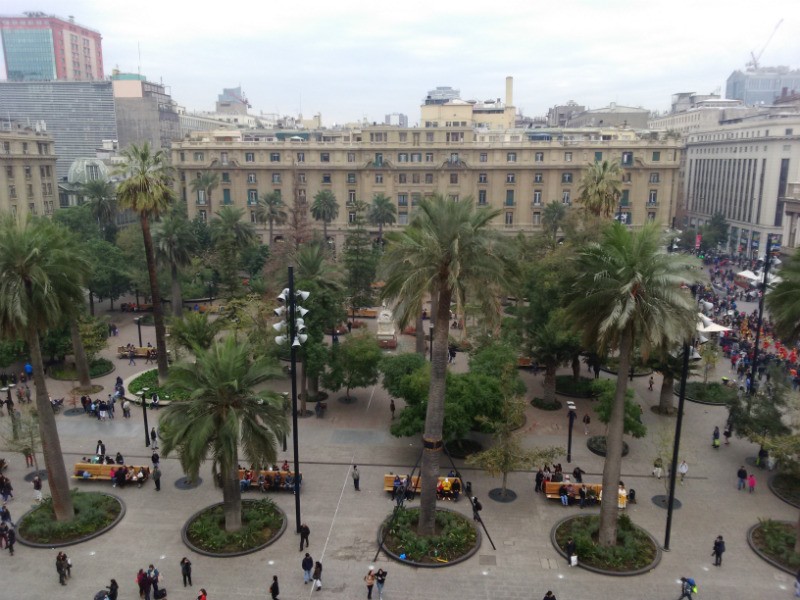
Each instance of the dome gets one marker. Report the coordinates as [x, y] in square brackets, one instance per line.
[87, 169]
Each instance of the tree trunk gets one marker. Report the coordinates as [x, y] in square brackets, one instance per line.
[434, 417]
[155, 294]
[549, 388]
[576, 366]
[666, 398]
[797, 536]
[313, 387]
[504, 491]
[48, 432]
[419, 347]
[177, 296]
[91, 303]
[81, 362]
[325, 233]
[609, 513]
[271, 220]
[232, 499]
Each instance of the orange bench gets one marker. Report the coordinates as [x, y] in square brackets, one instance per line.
[102, 472]
[276, 479]
[416, 481]
[592, 489]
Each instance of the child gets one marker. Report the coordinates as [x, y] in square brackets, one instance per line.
[751, 482]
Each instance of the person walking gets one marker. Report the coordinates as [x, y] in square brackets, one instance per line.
[715, 438]
[304, 533]
[741, 475]
[317, 576]
[392, 407]
[113, 589]
[683, 469]
[369, 578]
[186, 571]
[719, 549]
[126, 408]
[650, 383]
[155, 458]
[100, 450]
[549, 596]
[203, 594]
[570, 549]
[131, 358]
[586, 421]
[61, 568]
[11, 539]
[356, 477]
[307, 564]
[154, 438]
[274, 590]
[153, 575]
[380, 580]
[687, 588]
[156, 475]
[751, 482]
[5, 514]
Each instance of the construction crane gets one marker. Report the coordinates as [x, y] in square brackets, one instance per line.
[754, 63]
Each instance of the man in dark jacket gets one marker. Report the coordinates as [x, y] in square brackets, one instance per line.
[719, 548]
[304, 533]
[741, 474]
[570, 549]
[307, 564]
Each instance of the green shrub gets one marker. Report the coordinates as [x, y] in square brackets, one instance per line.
[261, 521]
[455, 537]
[567, 384]
[541, 404]
[149, 379]
[714, 392]
[776, 540]
[98, 368]
[634, 549]
[787, 487]
[93, 512]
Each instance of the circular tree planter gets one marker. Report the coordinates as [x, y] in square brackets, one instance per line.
[319, 397]
[662, 501]
[710, 394]
[38, 528]
[583, 529]
[755, 539]
[566, 385]
[452, 526]
[786, 487]
[99, 368]
[597, 445]
[496, 494]
[463, 448]
[348, 399]
[184, 483]
[638, 370]
[251, 538]
[542, 405]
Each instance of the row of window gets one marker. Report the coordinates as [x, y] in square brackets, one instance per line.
[47, 190]
[44, 171]
[42, 148]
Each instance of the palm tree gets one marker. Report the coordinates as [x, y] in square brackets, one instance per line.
[174, 243]
[228, 227]
[101, 196]
[601, 187]
[222, 412]
[382, 212]
[783, 301]
[552, 345]
[325, 209]
[146, 190]
[196, 331]
[628, 287]
[552, 217]
[205, 182]
[41, 282]
[447, 247]
[271, 210]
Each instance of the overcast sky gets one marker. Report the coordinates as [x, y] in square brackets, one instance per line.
[350, 59]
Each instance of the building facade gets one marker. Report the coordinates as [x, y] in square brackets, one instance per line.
[612, 115]
[762, 85]
[517, 171]
[442, 110]
[27, 171]
[742, 170]
[145, 111]
[78, 115]
[40, 47]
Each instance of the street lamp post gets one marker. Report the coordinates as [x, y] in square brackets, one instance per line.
[571, 415]
[142, 395]
[677, 443]
[138, 321]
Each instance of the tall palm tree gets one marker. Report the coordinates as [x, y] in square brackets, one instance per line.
[447, 247]
[601, 187]
[229, 227]
[174, 243]
[41, 282]
[325, 209]
[382, 212]
[101, 195]
[627, 287]
[196, 331]
[783, 301]
[553, 216]
[222, 412]
[146, 190]
[206, 182]
[272, 210]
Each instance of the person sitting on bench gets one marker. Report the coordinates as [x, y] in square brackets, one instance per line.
[456, 488]
[288, 482]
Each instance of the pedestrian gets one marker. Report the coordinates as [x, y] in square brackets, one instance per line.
[392, 407]
[549, 596]
[571, 548]
[131, 358]
[586, 421]
[687, 588]
[5, 514]
[140, 577]
[157, 477]
[3, 535]
[380, 580]
[727, 434]
[155, 459]
[477, 507]
[751, 482]
[683, 469]
[317, 575]
[356, 476]
[153, 575]
[154, 438]
[203, 594]
[11, 539]
[650, 383]
[113, 589]
[658, 465]
[577, 474]
[274, 590]
[61, 568]
[304, 533]
[741, 475]
[100, 450]
[797, 585]
[369, 579]
[719, 548]
[6, 489]
[307, 564]
[539, 480]
[186, 571]
[715, 438]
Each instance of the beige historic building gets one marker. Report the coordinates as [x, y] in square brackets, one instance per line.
[27, 171]
[516, 171]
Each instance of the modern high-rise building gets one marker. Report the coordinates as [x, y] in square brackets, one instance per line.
[41, 47]
[145, 111]
[762, 85]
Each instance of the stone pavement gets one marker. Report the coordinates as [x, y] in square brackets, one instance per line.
[344, 522]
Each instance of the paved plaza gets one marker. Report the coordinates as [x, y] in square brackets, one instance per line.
[344, 522]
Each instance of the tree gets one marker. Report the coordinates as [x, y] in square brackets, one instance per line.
[382, 212]
[710, 353]
[715, 232]
[361, 261]
[25, 436]
[272, 210]
[627, 287]
[601, 188]
[325, 209]
[100, 195]
[230, 235]
[632, 423]
[553, 216]
[670, 365]
[354, 363]
[196, 331]
[204, 185]
[783, 301]
[41, 283]
[110, 275]
[223, 412]
[147, 192]
[174, 244]
[552, 345]
[449, 248]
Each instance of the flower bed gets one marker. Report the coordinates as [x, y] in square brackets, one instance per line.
[463, 447]
[597, 445]
[149, 380]
[98, 368]
[455, 538]
[578, 388]
[786, 487]
[542, 405]
[708, 393]
[95, 512]
[774, 541]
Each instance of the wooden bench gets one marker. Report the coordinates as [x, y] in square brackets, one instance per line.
[364, 313]
[277, 480]
[551, 490]
[138, 351]
[102, 472]
[416, 481]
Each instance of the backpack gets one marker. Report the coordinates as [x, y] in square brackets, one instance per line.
[691, 583]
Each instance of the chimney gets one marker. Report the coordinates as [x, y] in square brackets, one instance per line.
[509, 91]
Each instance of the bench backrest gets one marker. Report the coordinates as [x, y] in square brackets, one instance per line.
[275, 476]
[416, 481]
[552, 487]
[104, 470]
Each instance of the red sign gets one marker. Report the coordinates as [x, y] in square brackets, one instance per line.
[697, 241]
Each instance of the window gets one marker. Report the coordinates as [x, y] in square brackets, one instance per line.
[351, 217]
[402, 218]
[627, 159]
[251, 178]
[252, 197]
[402, 157]
[351, 178]
[453, 178]
[403, 137]
[198, 156]
[12, 191]
[274, 157]
[250, 157]
[567, 156]
[402, 199]
[325, 157]
[537, 196]
[226, 177]
[509, 197]
[9, 171]
[351, 157]
[454, 158]
[481, 197]
[566, 178]
[652, 198]
[654, 178]
[416, 157]
[415, 178]
[25, 150]
[379, 159]
[429, 136]
[253, 218]
[537, 218]
[626, 178]
[276, 178]
[483, 178]
[351, 196]
[182, 155]
[223, 158]
[651, 216]
[428, 177]
[226, 196]
[301, 195]
[301, 178]
[511, 178]
[598, 156]
[415, 198]
[624, 199]
[565, 197]
[201, 196]
[326, 178]
[301, 157]
[484, 157]
[537, 178]
[539, 157]
[378, 177]
[429, 157]
[452, 197]
[203, 215]
[509, 218]
[656, 156]
[511, 157]
[402, 178]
